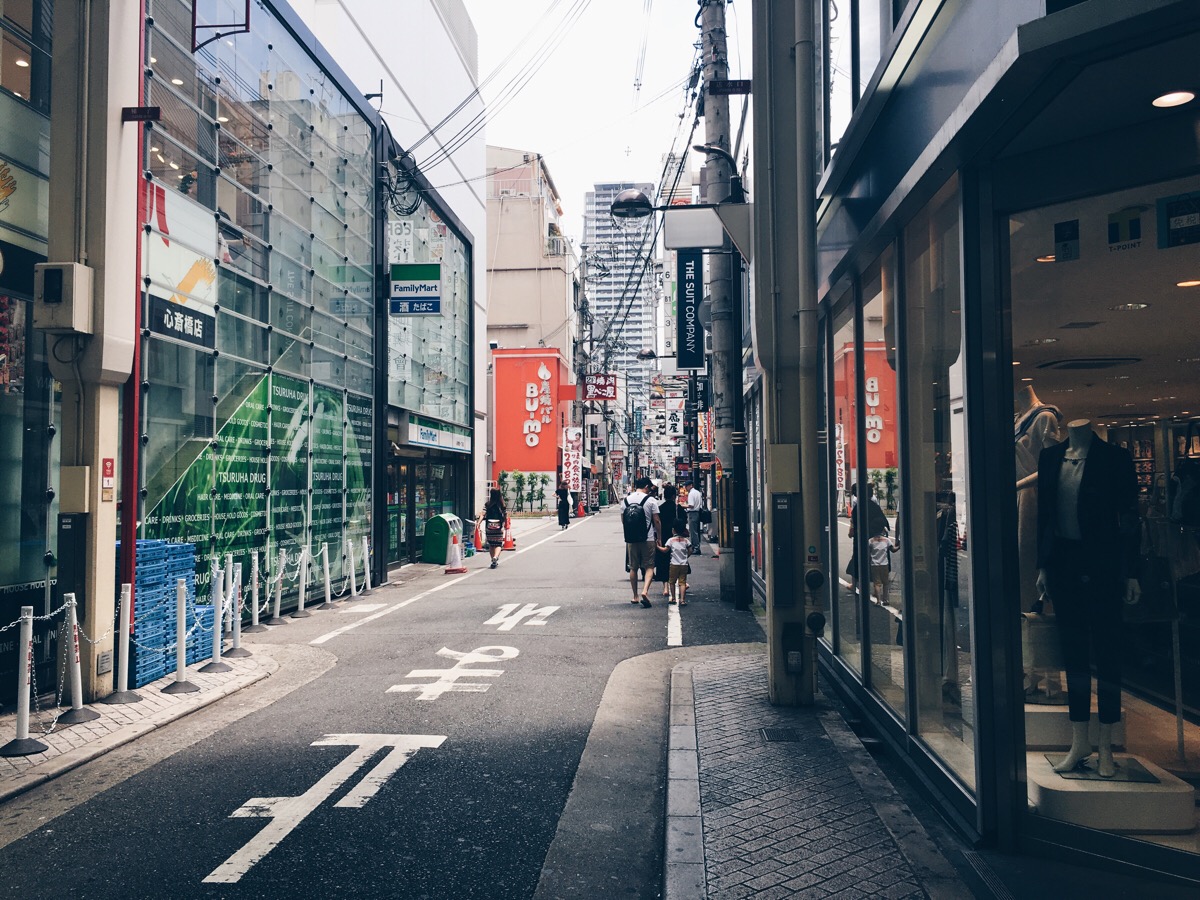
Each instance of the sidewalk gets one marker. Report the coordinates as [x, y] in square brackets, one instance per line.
[767, 802]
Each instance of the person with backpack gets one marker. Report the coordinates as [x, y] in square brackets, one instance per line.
[494, 516]
[642, 525]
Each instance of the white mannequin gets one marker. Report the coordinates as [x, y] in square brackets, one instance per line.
[1079, 441]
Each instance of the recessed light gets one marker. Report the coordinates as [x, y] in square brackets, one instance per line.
[177, 81]
[1193, 283]
[1129, 307]
[1173, 98]
[1027, 379]
[173, 165]
[1048, 258]
[160, 156]
[23, 63]
[1016, 362]
[222, 118]
[1035, 341]
[153, 60]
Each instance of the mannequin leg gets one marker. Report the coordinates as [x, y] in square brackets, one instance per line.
[1081, 748]
[1107, 767]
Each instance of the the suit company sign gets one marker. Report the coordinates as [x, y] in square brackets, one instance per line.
[689, 347]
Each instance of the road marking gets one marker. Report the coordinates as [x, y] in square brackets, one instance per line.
[674, 627]
[361, 608]
[286, 813]
[510, 616]
[447, 679]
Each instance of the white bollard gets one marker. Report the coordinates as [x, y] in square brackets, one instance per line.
[180, 685]
[350, 568]
[218, 605]
[228, 592]
[328, 604]
[255, 626]
[300, 612]
[366, 566]
[122, 694]
[276, 618]
[23, 744]
[77, 713]
[237, 651]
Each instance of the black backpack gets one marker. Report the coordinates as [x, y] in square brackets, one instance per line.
[633, 520]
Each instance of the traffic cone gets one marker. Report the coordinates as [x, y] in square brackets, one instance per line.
[454, 565]
[509, 542]
[579, 511]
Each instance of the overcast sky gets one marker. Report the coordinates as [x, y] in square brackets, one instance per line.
[581, 111]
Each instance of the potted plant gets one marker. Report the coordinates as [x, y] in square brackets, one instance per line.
[518, 490]
[544, 481]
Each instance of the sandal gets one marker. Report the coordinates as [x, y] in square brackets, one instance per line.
[646, 602]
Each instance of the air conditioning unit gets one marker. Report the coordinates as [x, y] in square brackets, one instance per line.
[555, 246]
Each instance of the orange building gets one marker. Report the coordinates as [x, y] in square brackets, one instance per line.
[530, 409]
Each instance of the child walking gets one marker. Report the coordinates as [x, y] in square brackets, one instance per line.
[881, 547]
[680, 549]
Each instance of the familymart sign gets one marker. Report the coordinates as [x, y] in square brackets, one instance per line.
[416, 289]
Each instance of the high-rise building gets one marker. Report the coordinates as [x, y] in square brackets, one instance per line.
[622, 284]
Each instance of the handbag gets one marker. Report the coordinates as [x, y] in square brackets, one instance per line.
[705, 515]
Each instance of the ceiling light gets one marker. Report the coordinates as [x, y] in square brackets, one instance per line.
[160, 156]
[23, 63]
[1049, 258]
[153, 60]
[1035, 341]
[173, 165]
[1027, 379]
[177, 81]
[1195, 282]
[1016, 362]
[1129, 307]
[1174, 98]
[222, 118]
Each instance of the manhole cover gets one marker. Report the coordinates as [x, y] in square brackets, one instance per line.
[774, 735]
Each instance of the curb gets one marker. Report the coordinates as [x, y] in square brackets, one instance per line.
[684, 875]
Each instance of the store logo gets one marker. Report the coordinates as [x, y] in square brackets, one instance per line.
[538, 405]
[8, 186]
[1125, 228]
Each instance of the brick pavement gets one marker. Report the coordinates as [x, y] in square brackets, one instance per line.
[806, 815]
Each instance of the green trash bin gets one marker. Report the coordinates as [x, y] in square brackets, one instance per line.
[604, 496]
[439, 533]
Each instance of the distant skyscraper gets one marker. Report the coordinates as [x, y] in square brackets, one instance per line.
[622, 300]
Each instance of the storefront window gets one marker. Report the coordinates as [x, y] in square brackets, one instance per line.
[1104, 380]
[882, 484]
[934, 542]
[844, 559]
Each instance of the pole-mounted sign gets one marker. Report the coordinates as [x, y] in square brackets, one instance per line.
[689, 345]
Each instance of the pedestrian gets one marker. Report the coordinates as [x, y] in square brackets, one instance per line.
[678, 549]
[668, 514]
[641, 523]
[564, 505]
[695, 503]
[494, 516]
[881, 547]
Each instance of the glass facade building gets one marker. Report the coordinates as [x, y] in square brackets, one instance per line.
[993, 309]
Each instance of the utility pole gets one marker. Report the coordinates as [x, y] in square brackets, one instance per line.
[725, 378]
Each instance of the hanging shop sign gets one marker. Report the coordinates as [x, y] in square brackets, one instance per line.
[428, 433]
[689, 334]
[416, 289]
[600, 386]
[179, 244]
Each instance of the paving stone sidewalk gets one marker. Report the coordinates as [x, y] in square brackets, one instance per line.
[806, 813]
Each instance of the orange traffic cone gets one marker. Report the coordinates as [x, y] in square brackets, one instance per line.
[509, 542]
[579, 511]
[454, 564]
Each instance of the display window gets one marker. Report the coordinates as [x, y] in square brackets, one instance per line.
[844, 558]
[1105, 299]
[934, 542]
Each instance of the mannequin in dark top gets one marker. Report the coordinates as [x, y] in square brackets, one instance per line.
[1088, 546]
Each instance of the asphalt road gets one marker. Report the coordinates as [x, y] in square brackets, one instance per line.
[422, 743]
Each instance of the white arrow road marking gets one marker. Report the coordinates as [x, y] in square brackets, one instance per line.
[447, 679]
[286, 813]
[509, 616]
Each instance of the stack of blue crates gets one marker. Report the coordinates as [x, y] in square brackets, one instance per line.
[159, 566]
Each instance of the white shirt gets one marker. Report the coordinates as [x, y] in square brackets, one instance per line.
[651, 510]
[681, 549]
[695, 500]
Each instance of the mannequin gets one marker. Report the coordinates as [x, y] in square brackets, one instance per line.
[1036, 425]
[1087, 565]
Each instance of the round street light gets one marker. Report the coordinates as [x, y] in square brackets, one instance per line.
[631, 204]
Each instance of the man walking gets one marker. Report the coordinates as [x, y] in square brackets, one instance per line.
[695, 502]
[642, 525]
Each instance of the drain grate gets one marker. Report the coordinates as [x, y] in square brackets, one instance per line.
[775, 735]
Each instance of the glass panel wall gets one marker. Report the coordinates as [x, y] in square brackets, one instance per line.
[1106, 463]
[934, 542]
[259, 274]
[881, 487]
[845, 558]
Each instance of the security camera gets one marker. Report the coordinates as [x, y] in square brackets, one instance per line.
[495, 345]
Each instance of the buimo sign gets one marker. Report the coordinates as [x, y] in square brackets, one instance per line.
[416, 289]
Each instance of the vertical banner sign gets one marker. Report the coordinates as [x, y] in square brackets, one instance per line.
[573, 458]
[689, 344]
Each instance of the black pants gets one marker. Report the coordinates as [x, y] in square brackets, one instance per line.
[1088, 610]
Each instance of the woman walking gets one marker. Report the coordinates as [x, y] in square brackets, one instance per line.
[494, 516]
[564, 505]
[668, 512]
